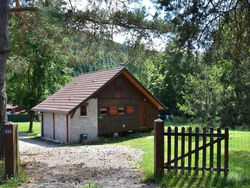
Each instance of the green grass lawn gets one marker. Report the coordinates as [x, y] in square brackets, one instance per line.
[23, 127]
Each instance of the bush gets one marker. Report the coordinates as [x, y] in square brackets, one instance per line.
[178, 119]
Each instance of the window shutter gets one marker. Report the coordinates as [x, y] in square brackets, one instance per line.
[113, 110]
[130, 109]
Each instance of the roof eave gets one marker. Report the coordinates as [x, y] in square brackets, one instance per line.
[46, 110]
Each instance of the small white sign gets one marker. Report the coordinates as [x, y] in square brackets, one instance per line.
[8, 131]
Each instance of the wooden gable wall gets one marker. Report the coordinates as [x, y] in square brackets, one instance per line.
[121, 93]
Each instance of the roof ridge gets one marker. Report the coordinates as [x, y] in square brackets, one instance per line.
[121, 67]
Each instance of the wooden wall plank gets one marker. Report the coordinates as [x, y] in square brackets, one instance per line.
[42, 124]
[54, 135]
[67, 128]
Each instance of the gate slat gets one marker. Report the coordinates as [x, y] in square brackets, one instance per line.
[219, 150]
[169, 145]
[176, 147]
[189, 148]
[196, 148]
[226, 149]
[211, 149]
[204, 161]
[183, 146]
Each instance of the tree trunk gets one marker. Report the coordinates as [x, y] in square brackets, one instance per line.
[31, 115]
[4, 51]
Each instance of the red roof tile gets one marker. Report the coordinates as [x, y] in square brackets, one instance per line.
[77, 91]
[84, 86]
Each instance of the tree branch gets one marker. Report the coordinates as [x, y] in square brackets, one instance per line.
[124, 25]
[4, 51]
[25, 22]
[24, 9]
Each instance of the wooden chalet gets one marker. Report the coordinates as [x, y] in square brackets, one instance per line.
[98, 103]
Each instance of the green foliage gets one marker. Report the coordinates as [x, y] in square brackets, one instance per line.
[178, 119]
[214, 86]
[39, 65]
[202, 95]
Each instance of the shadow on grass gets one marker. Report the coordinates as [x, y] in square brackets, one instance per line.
[27, 133]
[118, 139]
[102, 140]
[176, 178]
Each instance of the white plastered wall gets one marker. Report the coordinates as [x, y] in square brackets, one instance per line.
[60, 127]
[84, 124]
[48, 125]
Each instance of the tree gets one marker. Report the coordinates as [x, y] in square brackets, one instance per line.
[40, 64]
[4, 52]
[195, 21]
[231, 51]
[218, 32]
[202, 95]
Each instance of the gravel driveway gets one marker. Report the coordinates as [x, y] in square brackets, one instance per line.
[52, 165]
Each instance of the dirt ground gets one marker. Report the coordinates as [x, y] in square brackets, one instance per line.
[52, 165]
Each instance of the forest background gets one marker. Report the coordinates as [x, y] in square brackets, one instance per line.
[202, 74]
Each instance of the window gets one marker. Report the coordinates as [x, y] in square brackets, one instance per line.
[104, 111]
[130, 109]
[121, 110]
[113, 110]
[84, 110]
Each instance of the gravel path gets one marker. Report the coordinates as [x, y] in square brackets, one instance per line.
[52, 165]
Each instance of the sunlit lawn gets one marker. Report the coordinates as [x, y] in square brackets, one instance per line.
[23, 127]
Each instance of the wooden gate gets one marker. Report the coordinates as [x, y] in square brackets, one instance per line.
[208, 143]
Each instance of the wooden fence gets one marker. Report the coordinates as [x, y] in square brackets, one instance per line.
[186, 136]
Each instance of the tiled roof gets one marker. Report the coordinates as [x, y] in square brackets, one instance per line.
[77, 91]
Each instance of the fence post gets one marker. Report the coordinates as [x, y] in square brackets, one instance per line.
[10, 149]
[158, 146]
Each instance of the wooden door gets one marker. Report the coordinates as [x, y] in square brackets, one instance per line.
[143, 116]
